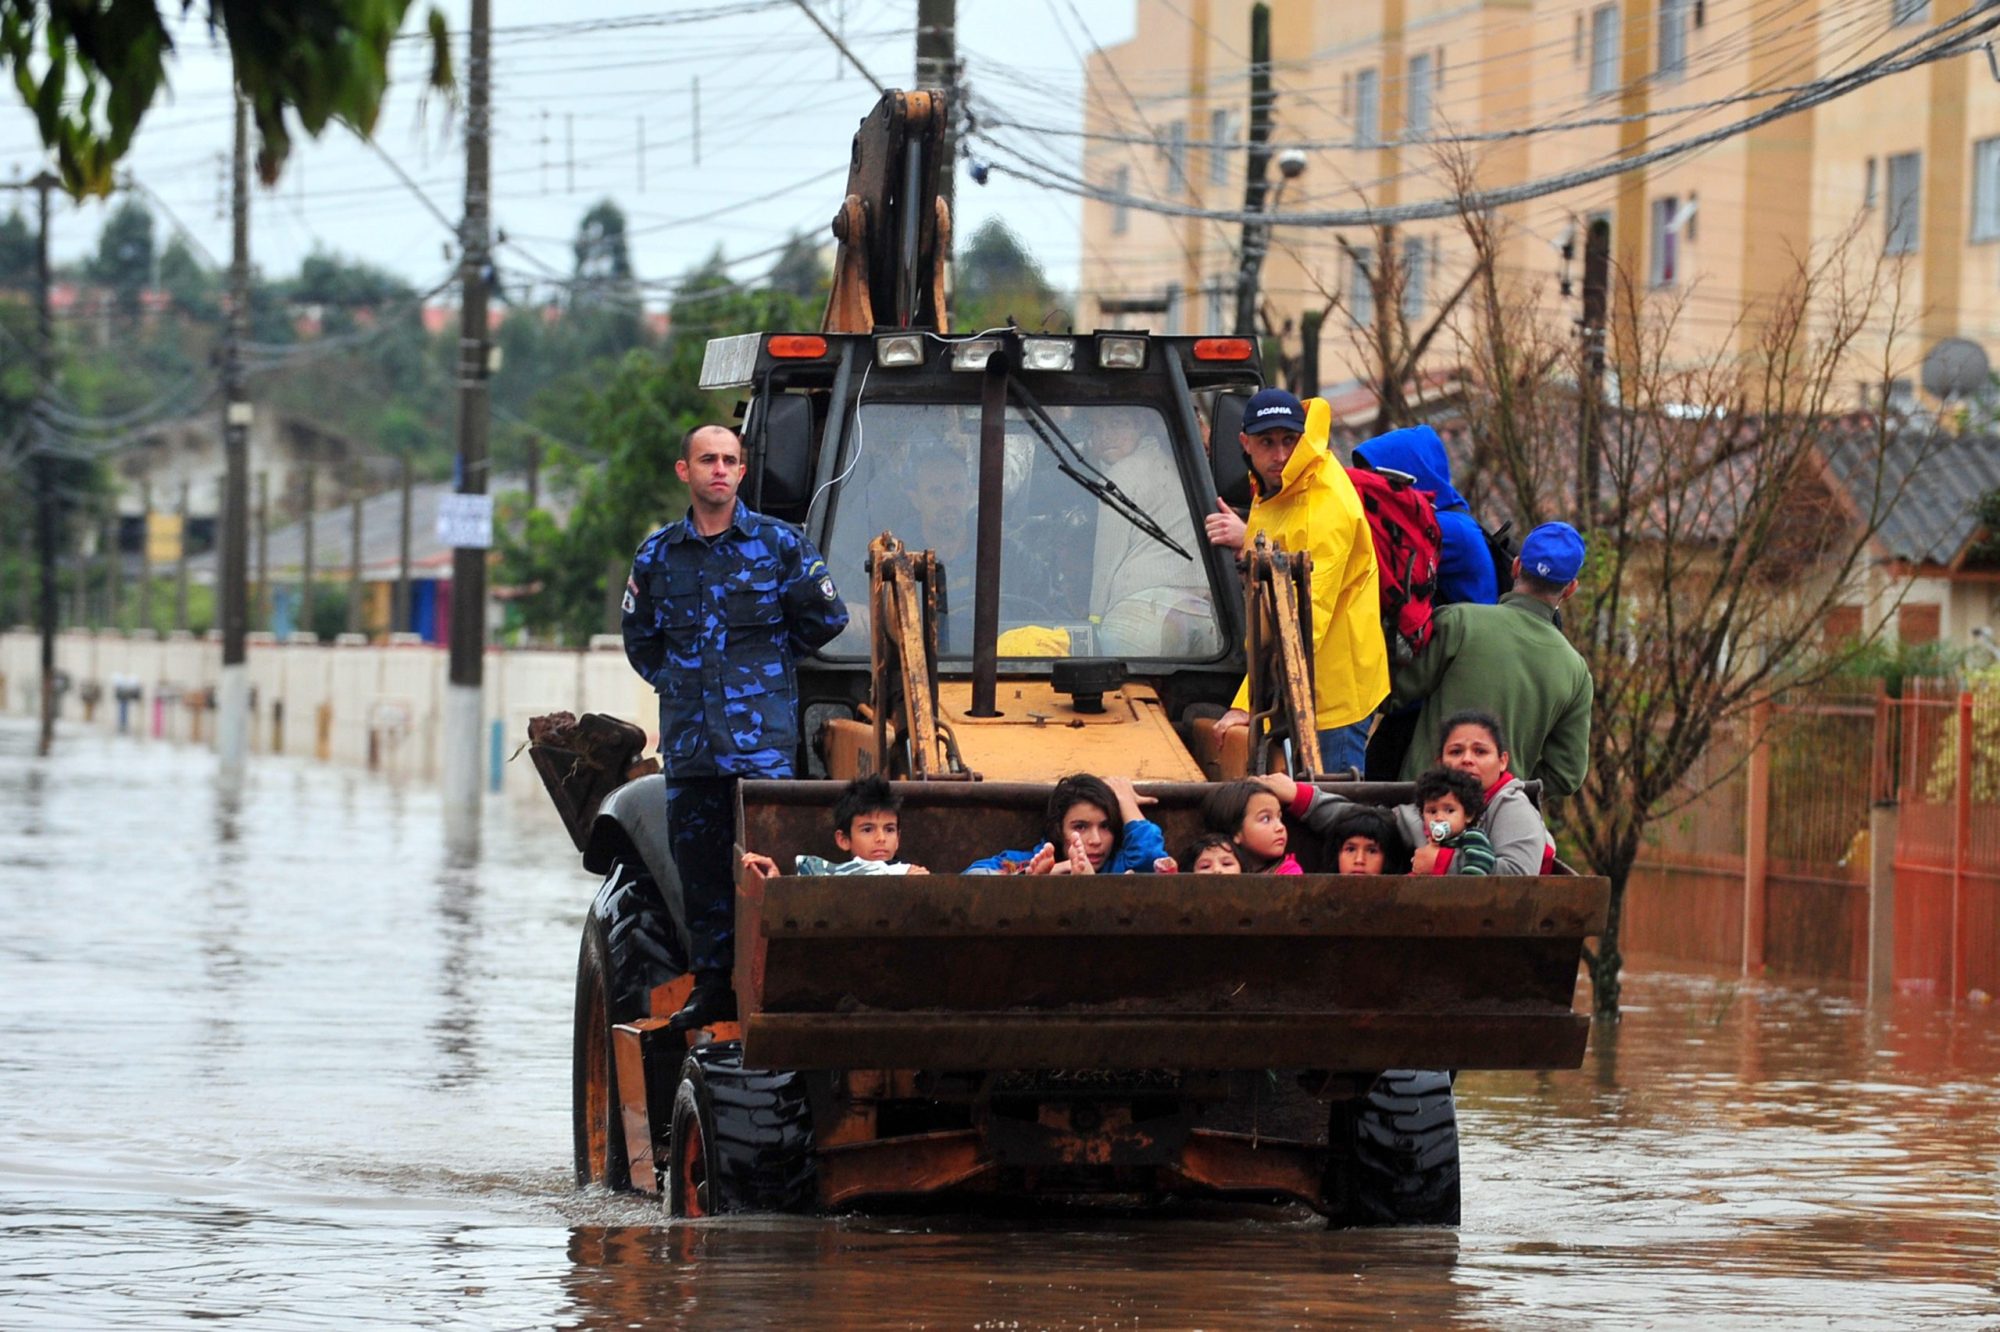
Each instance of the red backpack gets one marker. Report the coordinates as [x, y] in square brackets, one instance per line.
[1407, 548]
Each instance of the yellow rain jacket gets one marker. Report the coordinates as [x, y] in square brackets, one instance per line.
[1316, 509]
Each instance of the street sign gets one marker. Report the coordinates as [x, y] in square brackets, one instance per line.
[466, 521]
[163, 538]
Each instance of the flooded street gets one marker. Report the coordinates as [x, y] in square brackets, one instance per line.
[281, 1064]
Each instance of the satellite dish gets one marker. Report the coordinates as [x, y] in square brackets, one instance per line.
[1956, 368]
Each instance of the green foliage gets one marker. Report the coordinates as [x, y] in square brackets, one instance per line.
[124, 259]
[17, 252]
[633, 424]
[1985, 552]
[603, 259]
[89, 72]
[998, 279]
[800, 271]
[1893, 662]
[191, 288]
[616, 441]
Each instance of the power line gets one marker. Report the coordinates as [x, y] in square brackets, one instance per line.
[1822, 91]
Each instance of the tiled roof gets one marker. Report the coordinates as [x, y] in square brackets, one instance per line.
[1940, 481]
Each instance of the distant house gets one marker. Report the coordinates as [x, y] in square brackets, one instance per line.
[1931, 546]
[429, 614]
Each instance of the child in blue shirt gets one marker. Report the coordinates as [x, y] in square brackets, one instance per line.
[1097, 822]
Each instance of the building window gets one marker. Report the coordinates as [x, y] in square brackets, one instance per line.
[1416, 277]
[1220, 142]
[1219, 291]
[1919, 622]
[1367, 109]
[1361, 286]
[1177, 177]
[1909, 11]
[1986, 190]
[1869, 197]
[1121, 215]
[1664, 266]
[1843, 625]
[1904, 203]
[1673, 38]
[1604, 50]
[1422, 89]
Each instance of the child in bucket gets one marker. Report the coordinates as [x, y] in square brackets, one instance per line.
[1097, 820]
[1474, 744]
[1451, 802]
[866, 825]
[1363, 839]
[1253, 818]
[1209, 853]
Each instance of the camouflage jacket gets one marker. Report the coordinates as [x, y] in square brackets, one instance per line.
[715, 624]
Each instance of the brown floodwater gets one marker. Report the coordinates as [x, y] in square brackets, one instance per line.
[278, 1062]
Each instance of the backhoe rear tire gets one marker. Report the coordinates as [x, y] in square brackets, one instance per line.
[628, 947]
[1396, 1149]
[742, 1138]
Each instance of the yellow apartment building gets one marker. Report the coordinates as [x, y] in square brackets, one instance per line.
[1377, 98]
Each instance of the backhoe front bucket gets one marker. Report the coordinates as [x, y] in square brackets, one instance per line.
[1139, 971]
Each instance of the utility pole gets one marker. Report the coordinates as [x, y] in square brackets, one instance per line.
[1590, 393]
[401, 617]
[263, 615]
[464, 707]
[114, 569]
[232, 721]
[146, 556]
[937, 67]
[305, 620]
[354, 584]
[1256, 230]
[181, 567]
[45, 464]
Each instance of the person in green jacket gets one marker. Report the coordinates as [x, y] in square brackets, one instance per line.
[1511, 660]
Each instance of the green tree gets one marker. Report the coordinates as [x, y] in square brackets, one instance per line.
[998, 280]
[124, 259]
[347, 291]
[89, 72]
[17, 252]
[617, 468]
[190, 287]
[799, 271]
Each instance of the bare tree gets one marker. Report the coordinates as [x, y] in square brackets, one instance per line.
[1720, 537]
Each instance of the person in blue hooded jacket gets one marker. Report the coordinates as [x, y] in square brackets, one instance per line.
[1465, 565]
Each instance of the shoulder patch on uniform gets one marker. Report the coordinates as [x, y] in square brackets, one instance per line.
[826, 587]
[631, 601]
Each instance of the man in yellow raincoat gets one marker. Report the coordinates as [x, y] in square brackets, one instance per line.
[1304, 501]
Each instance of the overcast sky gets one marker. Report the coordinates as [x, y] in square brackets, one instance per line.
[575, 88]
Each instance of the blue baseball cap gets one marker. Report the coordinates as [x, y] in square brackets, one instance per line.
[1273, 409]
[1553, 553]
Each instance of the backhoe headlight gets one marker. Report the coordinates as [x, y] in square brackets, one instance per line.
[972, 354]
[1121, 353]
[1048, 354]
[899, 350]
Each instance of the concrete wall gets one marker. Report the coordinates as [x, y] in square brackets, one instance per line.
[356, 704]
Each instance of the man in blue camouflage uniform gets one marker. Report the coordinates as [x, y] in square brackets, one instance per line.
[718, 608]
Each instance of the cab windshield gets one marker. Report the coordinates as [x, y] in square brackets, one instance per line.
[1076, 577]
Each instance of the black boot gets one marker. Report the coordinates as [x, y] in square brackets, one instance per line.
[712, 1001]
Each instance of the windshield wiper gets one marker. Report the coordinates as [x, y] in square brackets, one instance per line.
[1072, 464]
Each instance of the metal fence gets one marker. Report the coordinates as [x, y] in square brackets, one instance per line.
[1768, 865]
[1944, 774]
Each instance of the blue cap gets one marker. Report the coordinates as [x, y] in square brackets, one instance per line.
[1273, 409]
[1553, 553]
